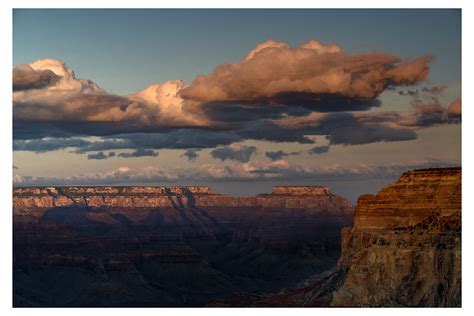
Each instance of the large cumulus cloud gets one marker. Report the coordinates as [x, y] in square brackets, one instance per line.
[48, 91]
[275, 93]
[26, 78]
[312, 74]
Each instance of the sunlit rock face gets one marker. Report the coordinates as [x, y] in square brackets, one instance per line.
[411, 199]
[315, 198]
[168, 246]
[404, 249]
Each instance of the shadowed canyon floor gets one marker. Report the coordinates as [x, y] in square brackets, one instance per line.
[168, 246]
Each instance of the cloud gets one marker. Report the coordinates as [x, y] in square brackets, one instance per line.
[273, 81]
[140, 152]
[280, 170]
[276, 93]
[352, 130]
[355, 128]
[174, 139]
[26, 78]
[348, 128]
[424, 92]
[75, 100]
[319, 150]
[48, 144]
[234, 152]
[434, 90]
[319, 76]
[454, 109]
[271, 131]
[191, 154]
[100, 156]
[220, 113]
[278, 155]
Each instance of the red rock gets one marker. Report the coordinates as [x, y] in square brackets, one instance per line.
[404, 249]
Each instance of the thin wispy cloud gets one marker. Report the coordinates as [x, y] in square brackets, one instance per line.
[280, 170]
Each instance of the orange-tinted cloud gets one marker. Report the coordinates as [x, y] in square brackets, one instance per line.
[311, 72]
[455, 107]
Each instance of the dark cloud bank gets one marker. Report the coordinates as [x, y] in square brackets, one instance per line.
[235, 153]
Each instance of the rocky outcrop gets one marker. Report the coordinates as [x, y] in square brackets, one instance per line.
[301, 190]
[168, 246]
[410, 200]
[157, 246]
[317, 198]
[404, 249]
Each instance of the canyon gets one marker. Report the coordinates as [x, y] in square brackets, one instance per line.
[403, 249]
[298, 246]
[168, 246]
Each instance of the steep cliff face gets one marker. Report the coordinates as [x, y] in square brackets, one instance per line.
[168, 246]
[404, 249]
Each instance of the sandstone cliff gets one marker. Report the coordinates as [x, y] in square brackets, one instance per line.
[404, 249]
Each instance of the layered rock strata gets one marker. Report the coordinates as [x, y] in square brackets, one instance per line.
[168, 246]
[404, 249]
[316, 198]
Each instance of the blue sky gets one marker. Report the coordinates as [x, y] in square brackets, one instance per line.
[214, 131]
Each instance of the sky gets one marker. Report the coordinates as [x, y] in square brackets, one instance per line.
[240, 100]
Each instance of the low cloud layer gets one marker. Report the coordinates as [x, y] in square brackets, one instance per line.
[355, 128]
[234, 152]
[100, 156]
[191, 154]
[139, 153]
[318, 150]
[49, 144]
[278, 155]
[280, 170]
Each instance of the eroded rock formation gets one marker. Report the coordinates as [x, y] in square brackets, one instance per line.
[168, 246]
[404, 249]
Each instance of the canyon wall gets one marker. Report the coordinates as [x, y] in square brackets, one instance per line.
[316, 198]
[168, 246]
[404, 249]
[190, 246]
